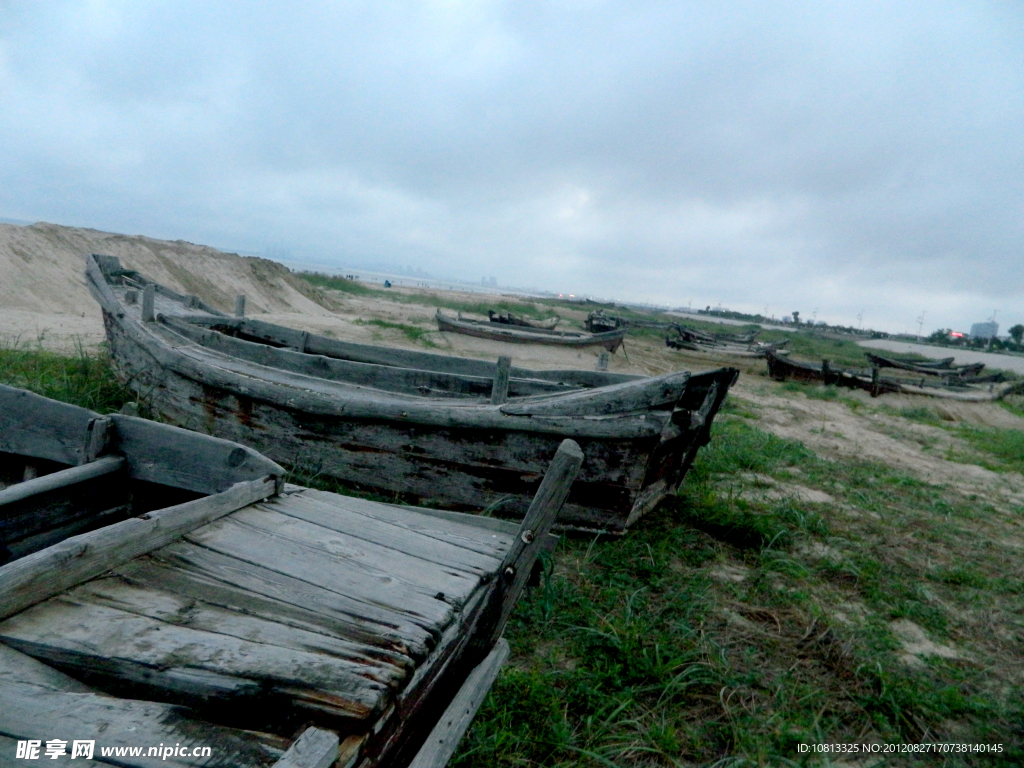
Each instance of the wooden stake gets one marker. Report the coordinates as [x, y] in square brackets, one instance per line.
[148, 299]
[240, 305]
[499, 391]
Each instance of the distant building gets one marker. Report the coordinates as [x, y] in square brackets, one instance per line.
[985, 330]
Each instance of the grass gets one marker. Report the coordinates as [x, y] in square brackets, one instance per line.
[411, 332]
[637, 651]
[733, 624]
[1002, 449]
[83, 379]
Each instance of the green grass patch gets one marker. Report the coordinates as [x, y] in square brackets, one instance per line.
[343, 284]
[84, 379]
[411, 332]
[1002, 449]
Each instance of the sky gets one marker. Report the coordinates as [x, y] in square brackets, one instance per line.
[861, 162]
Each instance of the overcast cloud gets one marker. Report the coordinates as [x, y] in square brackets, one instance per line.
[809, 156]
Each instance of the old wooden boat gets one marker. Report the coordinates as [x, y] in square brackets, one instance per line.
[507, 318]
[961, 371]
[453, 438]
[782, 368]
[610, 340]
[167, 588]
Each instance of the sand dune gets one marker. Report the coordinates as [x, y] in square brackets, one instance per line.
[43, 296]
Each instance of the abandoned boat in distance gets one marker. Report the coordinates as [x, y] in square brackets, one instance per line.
[429, 429]
[485, 329]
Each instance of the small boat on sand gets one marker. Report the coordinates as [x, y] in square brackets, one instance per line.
[610, 340]
[429, 429]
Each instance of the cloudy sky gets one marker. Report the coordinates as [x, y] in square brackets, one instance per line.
[838, 158]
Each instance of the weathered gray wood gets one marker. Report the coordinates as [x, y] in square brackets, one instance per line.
[536, 525]
[39, 703]
[415, 381]
[499, 391]
[444, 739]
[404, 358]
[240, 305]
[17, 667]
[610, 340]
[160, 453]
[616, 399]
[218, 580]
[353, 568]
[315, 748]
[48, 572]
[113, 722]
[154, 602]
[32, 425]
[98, 439]
[88, 636]
[393, 537]
[148, 301]
[62, 479]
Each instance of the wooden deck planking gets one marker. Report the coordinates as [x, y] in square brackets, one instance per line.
[433, 550]
[84, 635]
[375, 641]
[155, 603]
[351, 571]
[36, 697]
[427, 565]
[475, 535]
[354, 619]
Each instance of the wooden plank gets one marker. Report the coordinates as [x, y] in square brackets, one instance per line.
[160, 453]
[350, 618]
[148, 299]
[155, 603]
[32, 425]
[39, 703]
[444, 739]
[487, 535]
[59, 480]
[416, 381]
[17, 667]
[74, 560]
[113, 722]
[499, 391]
[536, 525]
[85, 635]
[344, 566]
[395, 537]
[656, 392]
[315, 748]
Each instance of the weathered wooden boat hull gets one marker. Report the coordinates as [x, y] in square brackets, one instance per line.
[247, 608]
[610, 340]
[781, 369]
[507, 318]
[639, 436]
[944, 370]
